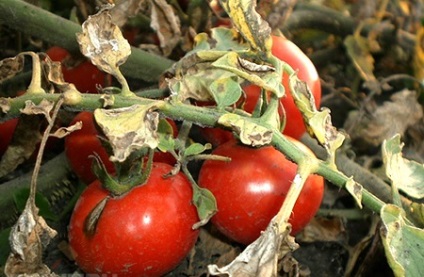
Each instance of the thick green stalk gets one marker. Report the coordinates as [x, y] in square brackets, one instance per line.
[34, 21]
[206, 117]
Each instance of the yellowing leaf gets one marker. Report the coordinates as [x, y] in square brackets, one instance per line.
[129, 129]
[249, 23]
[359, 52]
[318, 123]
[406, 175]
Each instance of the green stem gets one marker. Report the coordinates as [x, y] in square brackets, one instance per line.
[35, 85]
[34, 21]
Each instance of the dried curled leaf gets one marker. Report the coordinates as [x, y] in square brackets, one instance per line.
[103, 43]
[391, 118]
[129, 129]
[9, 67]
[64, 131]
[27, 239]
[166, 24]
[45, 107]
[123, 10]
[261, 257]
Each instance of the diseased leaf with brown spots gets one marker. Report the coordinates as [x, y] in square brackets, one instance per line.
[103, 43]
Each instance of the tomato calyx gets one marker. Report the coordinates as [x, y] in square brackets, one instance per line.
[132, 172]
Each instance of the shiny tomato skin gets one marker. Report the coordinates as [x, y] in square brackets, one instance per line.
[146, 232]
[83, 143]
[290, 53]
[251, 188]
[7, 128]
[85, 76]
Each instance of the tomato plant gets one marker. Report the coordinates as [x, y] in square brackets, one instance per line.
[85, 76]
[251, 188]
[146, 232]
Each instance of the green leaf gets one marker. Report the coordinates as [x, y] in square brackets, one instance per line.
[403, 242]
[196, 148]
[225, 91]
[406, 175]
[227, 40]
[21, 196]
[205, 203]
[4, 246]
[165, 132]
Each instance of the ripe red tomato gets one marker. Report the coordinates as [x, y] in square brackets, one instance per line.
[146, 232]
[7, 129]
[85, 76]
[83, 143]
[288, 52]
[251, 188]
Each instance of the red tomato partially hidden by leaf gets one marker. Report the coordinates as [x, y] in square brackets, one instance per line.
[146, 232]
[288, 52]
[7, 129]
[83, 143]
[85, 76]
[251, 188]
[216, 136]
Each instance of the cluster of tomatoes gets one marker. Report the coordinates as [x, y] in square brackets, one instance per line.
[148, 231]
